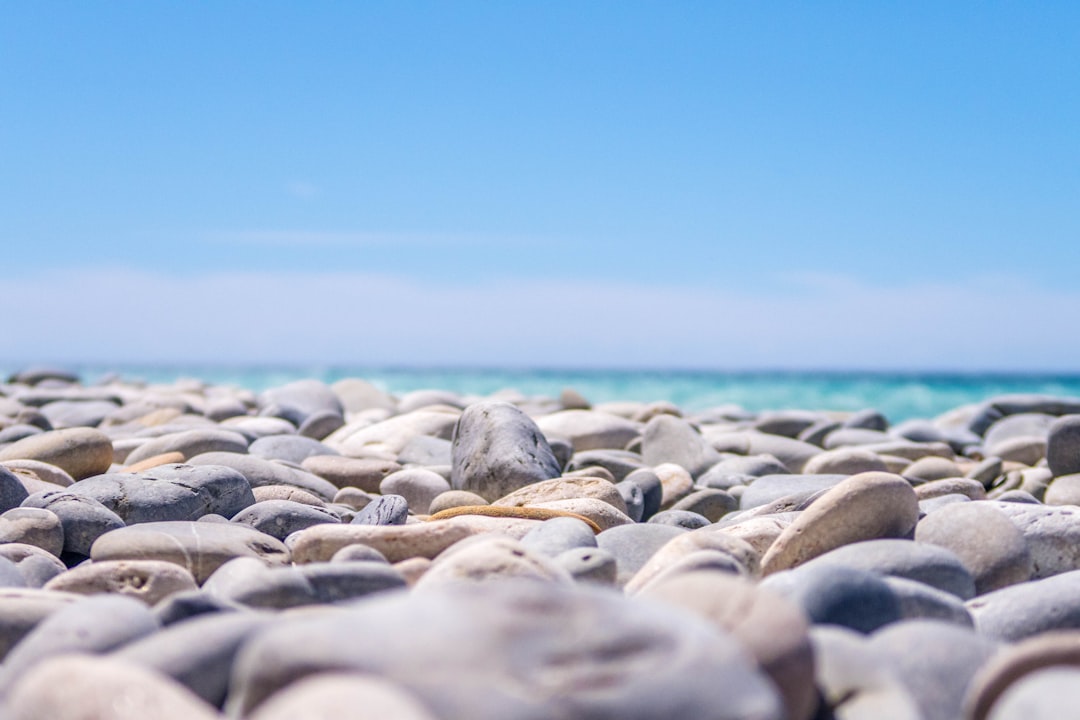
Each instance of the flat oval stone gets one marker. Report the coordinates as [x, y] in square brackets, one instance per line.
[984, 539]
[33, 526]
[680, 518]
[293, 448]
[191, 443]
[497, 449]
[774, 630]
[395, 542]
[107, 689]
[972, 489]
[199, 547]
[418, 486]
[844, 461]
[565, 488]
[92, 625]
[281, 518]
[925, 562]
[517, 650]
[253, 584]
[602, 513]
[590, 429]
[45, 472]
[83, 519]
[80, 452]
[867, 506]
[1025, 609]
[148, 580]
[713, 504]
[287, 492]
[260, 471]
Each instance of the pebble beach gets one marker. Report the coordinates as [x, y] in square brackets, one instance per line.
[330, 550]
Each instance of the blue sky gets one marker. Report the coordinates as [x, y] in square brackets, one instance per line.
[733, 185]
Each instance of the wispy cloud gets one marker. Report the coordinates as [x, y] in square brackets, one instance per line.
[114, 315]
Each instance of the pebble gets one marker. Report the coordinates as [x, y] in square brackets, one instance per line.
[770, 488]
[856, 683]
[497, 449]
[557, 535]
[589, 565]
[251, 583]
[1047, 693]
[711, 503]
[259, 471]
[680, 518]
[33, 526]
[36, 566]
[924, 562]
[79, 452]
[844, 461]
[668, 439]
[45, 472]
[201, 548]
[83, 519]
[989, 545]
[866, 506]
[453, 499]
[1026, 609]
[590, 429]
[190, 443]
[383, 510]
[148, 580]
[281, 518]
[23, 609]
[293, 448]
[565, 488]
[632, 545]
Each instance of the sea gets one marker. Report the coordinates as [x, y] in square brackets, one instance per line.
[898, 395]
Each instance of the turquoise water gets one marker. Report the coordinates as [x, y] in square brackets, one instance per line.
[899, 395]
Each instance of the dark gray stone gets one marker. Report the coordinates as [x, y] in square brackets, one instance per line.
[293, 448]
[633, 545]
[260, 472]
[1063, 446]
[710, 503]
[838, 595]
[668, 439]
[249, 582]
[182, 606]
[296, 401]
[931, 564]
[498, 449]
[634, 498]
[12, 492]
[558, 535]
[519, 650]
[225, 490]
[320, 424]
[84, 519]
[199, 652]
[383, 510]
[280, 518]
[680, 518]
[652, 490]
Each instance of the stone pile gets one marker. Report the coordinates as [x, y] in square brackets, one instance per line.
[192, 551]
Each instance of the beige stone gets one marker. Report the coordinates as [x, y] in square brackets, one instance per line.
[866, 506]
[146, 580]
[565, 488]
